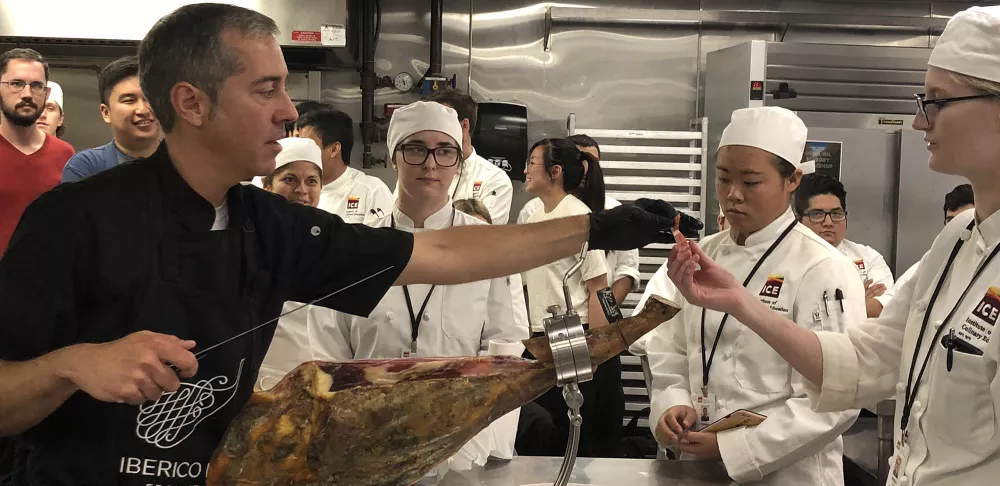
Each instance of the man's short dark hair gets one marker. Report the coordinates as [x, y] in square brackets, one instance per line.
[24, 54]
[959, 197]
[187, 46]
[582, 140]
[463, 104]
[303, 109]
[115, 72]
[332, 126]
[817, 185]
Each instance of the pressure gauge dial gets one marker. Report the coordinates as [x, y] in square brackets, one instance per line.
[404, 82]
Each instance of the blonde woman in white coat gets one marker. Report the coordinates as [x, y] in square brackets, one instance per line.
[471, 319]
[705, 365]
[932, 347]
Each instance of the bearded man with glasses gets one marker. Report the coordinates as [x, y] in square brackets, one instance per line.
[821, 204]
[31, 161]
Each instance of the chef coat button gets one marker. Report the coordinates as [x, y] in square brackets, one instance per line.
[728, 355]
[980, 250]
[917, 406]
[938, 324]
[722, 403]
[921, 306]
[903, 481]
[389, 315]
[900, 388]
[315, 231]
[426, 317]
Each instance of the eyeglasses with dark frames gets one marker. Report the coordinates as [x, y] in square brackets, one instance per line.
[818, 215]
[416, 154]
[930, 108]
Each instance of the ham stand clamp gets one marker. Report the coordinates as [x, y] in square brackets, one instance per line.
[571, 356]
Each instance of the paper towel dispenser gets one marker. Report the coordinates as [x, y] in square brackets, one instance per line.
[501, 136]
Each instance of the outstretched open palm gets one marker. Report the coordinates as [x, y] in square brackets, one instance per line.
[701, 281]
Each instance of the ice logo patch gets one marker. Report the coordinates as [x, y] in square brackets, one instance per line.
[170, 420]
[988, 309]
[772, 288]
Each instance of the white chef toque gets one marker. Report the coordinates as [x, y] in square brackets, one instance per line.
[970, 44]
[294, 149]
[421, 116]
[56, 94]
[773, 129]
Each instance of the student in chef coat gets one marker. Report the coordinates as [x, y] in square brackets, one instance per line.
[932, 347]
[477, 318]
[704, 359]
[347, 192]
[479, 178]
[624, 265]
[821, 205]
[53, 116]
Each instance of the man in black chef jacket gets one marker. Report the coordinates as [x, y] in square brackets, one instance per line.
[109, 279]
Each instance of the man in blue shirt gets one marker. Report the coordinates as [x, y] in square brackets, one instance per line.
[123, 106]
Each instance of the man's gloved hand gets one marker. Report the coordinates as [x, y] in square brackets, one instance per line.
[632, 226]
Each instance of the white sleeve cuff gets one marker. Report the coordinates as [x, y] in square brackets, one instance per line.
[738, 456]
[840, 374]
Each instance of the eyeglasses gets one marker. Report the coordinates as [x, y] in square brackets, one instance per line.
[416, 154]
[17, 85]
[930, 108]
[818, 215]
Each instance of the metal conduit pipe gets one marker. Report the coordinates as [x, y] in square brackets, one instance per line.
[369, 129]
[437, 23]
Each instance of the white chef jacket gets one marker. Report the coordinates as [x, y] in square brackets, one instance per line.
[356, 197]
[621, 264]
[953, 426]
[471, 319]
[545, 283]
[484, 181]
[794, 445]
[870, 263]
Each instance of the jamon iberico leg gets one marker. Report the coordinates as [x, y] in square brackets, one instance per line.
[388, 422]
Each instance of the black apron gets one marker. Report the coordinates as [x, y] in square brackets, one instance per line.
[204, 286]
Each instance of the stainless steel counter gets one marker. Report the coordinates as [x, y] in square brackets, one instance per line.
[522, 471]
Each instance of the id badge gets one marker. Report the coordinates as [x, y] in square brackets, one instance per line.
[897, 464]
[704, 406]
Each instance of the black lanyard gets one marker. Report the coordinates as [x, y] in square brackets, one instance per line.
[416, 318]
[913, 386]
[706, 364]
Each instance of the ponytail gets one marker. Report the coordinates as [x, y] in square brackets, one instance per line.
[591, 189]
[582, 174]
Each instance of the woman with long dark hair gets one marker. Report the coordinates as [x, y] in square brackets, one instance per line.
[569, 182]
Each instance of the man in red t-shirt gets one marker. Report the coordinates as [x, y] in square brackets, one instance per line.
[31, 161]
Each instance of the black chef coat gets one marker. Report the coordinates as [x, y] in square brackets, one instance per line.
[131, 249]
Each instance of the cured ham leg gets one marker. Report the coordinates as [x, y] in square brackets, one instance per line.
[389, 422]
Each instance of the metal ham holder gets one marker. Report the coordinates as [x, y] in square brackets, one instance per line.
[571, 356]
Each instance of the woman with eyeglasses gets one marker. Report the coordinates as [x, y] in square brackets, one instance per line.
[704, 361]
[821, 204]
[471, 319]
[932, 349]
[569, 182]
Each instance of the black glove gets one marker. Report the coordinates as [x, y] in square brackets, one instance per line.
[632, 226]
